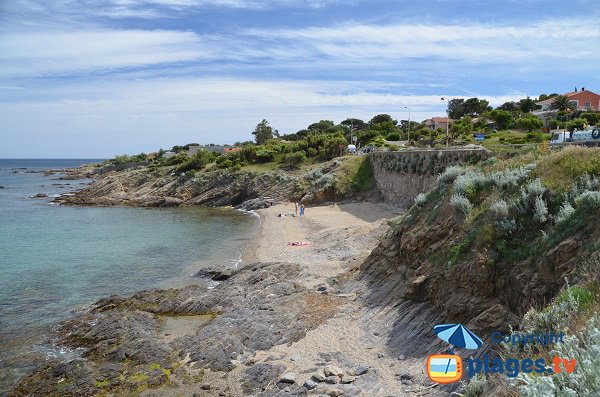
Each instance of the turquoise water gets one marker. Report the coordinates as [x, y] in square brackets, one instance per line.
[55, 259]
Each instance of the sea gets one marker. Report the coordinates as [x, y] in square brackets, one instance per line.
[56, 260]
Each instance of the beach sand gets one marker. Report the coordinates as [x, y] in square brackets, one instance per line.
[340, 237]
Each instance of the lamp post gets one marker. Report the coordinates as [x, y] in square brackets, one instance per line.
[447, 116]
[406, 107]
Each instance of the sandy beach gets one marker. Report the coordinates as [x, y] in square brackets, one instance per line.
[339, 238]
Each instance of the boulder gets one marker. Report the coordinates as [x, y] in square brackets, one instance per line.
[332, 370]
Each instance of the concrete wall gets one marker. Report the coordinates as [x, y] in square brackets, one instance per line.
[401, 176]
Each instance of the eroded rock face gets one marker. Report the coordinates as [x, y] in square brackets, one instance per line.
[125, 349]
[163, 187]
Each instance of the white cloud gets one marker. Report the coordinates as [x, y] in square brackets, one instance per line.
[539, 48]
[72, 52]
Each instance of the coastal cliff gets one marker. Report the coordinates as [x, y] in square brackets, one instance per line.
[151, 186]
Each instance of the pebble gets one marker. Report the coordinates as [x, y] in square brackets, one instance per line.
[205, 386]
[318, 377]
[361, 370]
[348, 379]
[295, 357]
[331, 370]
[334, 392]
[288, 377]
[310, 384]
[380, 355]
[334, 379]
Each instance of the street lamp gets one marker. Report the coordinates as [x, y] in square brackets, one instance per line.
[406, 107]
[447, 116]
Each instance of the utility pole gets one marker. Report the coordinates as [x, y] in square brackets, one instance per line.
[447, 116]
[406, 107]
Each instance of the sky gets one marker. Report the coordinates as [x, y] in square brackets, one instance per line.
[96, 78]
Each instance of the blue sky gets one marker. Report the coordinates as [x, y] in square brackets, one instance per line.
[95, 78]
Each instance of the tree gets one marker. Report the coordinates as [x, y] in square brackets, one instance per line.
[509, 106]
[562, 102]
[502, 118]
[475, 106]
[530, 123]
[458, 107]
[356, 123]
[462, 127]
[322, 126]
[382, 118]
[385, 128]
[527, 105]
[263, 132]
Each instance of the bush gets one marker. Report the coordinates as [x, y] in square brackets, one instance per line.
[420, 200]
[196, 162]
[468, 183]
[511, 177]
[475, 386]
[499, 209]
[535, 188]
[461, 203]
[507, 226]
[294, 159]
[540, 210]
[450, 174]
[394, 136]
[565, 212]
[589, 200]
[583, 347]
[265, 155]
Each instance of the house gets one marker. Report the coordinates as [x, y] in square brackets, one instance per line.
[209, 148]
[169, 154]
[583, 100]
[438, 122]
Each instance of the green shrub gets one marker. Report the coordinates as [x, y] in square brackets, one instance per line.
[588, 200]
[461, 203]
[265, 155]
[293, 160]
[583, 347]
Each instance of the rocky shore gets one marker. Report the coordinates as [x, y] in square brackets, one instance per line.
[153, 186]
[285, 323]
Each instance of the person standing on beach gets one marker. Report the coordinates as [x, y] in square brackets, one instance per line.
[301, 209]
[296, 208]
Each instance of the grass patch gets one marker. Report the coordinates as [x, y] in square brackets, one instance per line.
[568, 228]
[354, 175]
[139, 377]
[165, 371]
[583, 295]
[559, 170]
[260, 168]
[512, 251]
[102, 384]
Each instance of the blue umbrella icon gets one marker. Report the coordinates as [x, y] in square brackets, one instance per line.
[458, 335]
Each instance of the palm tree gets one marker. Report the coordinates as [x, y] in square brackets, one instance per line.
[562, 102]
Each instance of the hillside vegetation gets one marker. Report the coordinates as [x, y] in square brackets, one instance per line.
[508, 245]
